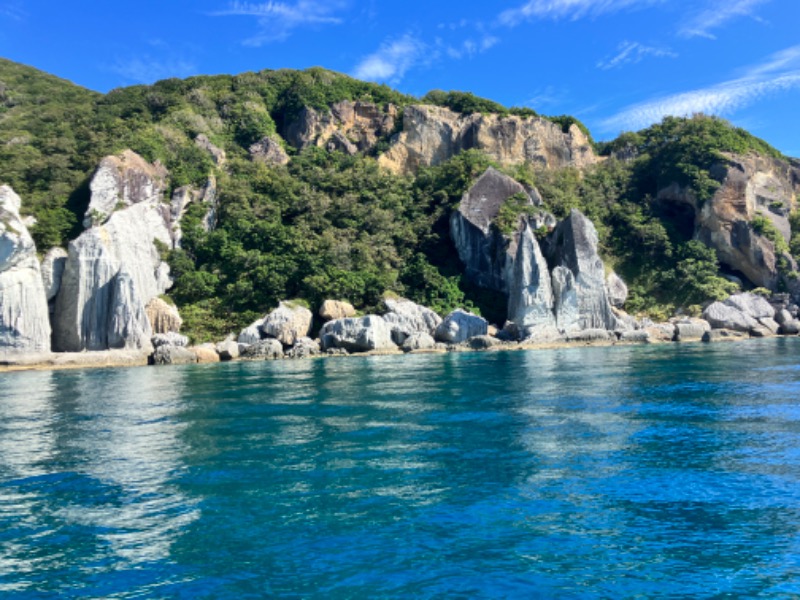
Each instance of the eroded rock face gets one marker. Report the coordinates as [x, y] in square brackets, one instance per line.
[128, 325]
[124, 244]
[53, 265]
[433, 134]
[530, 299]
[186, 195]
[121, 181]
[573, 245]
[357, 334]
[24, 315]
[486, 253]
[348, 126]
[252, 333]
[750, 186]
[287, 323]
[217, 154]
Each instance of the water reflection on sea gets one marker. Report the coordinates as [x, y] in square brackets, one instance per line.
[665, 471]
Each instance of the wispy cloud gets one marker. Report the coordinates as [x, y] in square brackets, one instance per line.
[567, 9]
[277, 20]
[13, 11]
[718, 13]
[629, 53]
[469, 47]
[778, 73]
[147, 69]
[392, 59]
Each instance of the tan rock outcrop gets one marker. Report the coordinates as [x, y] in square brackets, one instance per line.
[360, 124]
[163, 317]
[434, 134]
[336, 309]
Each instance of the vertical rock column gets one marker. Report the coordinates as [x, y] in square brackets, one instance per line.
[24, 317]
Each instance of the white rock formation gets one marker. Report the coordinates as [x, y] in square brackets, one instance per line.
[287, 323]
[24, 317]
[459, 326]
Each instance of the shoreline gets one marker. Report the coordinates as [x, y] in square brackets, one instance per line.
[113, 359]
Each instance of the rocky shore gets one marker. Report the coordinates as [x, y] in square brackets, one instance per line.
[101, 301]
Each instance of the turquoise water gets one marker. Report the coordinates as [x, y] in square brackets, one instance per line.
[652, 472]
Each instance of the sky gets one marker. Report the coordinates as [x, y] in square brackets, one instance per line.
[617, 65]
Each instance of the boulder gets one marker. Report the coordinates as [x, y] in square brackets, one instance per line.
[269, 349]
[690, 330]
[332, 310]
[783, 316]
[406, 318]
[24, 314]
[252, 333]
[418, 341]
[53, 265]
[546, 334]
[169, 354]
[361, 334]
[639, 336]
[752, 305]
[205, 354]
[459, 326]
[169, 339]
[163, 317]
[724, 316]
[269, 151]
[769, 324]
[287, 323]
[616, 289]
[121, 181]
[483, 342]
[591, 335]
[228, 349]
[573, 245]
[761, 332]
[433, 134]
[722, 335]
[791, 327]
[661, 332]
[304, 348]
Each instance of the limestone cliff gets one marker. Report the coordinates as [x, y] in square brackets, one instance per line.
[24, 320]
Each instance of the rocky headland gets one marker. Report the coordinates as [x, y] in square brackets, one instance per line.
[102, 297]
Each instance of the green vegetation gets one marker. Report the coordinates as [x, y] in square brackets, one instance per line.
[507, 219]
[764, 227]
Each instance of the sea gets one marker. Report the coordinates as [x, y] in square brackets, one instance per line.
[661, 471]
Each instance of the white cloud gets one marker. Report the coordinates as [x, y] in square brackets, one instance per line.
[778, 73]
[633, 52]
[716, 14]
[567, 9]
[392, 60]
[469, 47]
[146, 69]
[277, 20]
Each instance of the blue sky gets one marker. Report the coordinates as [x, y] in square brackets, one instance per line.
[616, 64]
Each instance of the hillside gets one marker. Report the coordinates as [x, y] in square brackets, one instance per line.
[328, 187]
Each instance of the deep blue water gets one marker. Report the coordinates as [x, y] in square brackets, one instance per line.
[651, 472]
